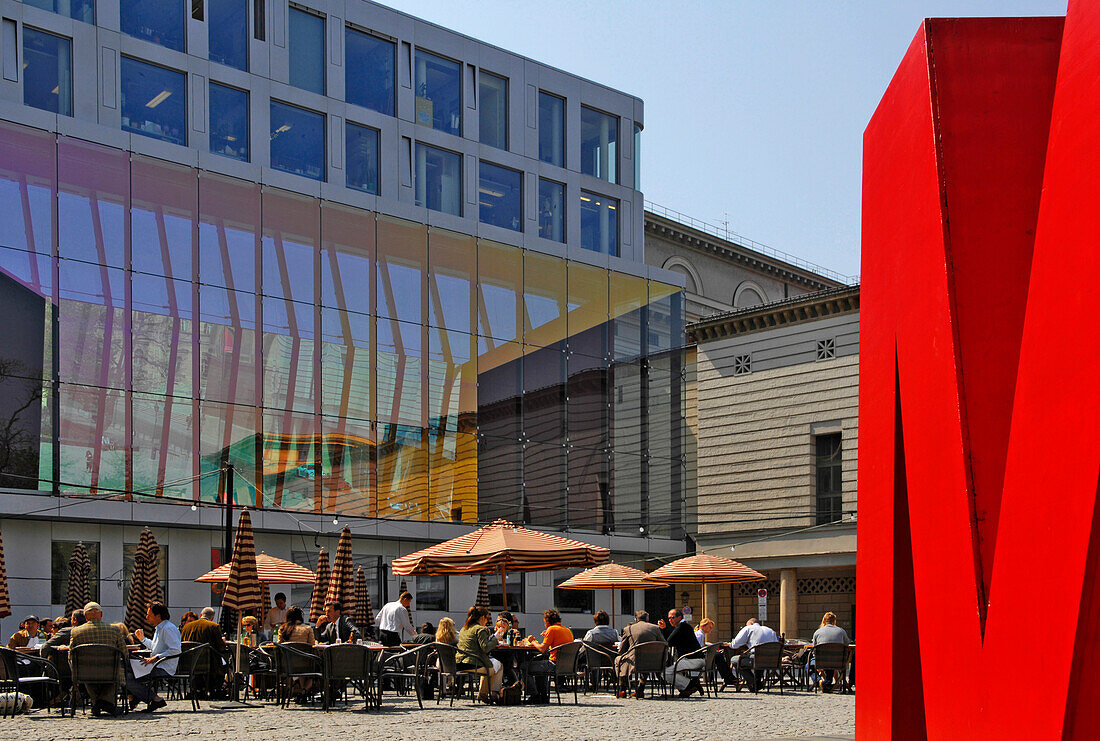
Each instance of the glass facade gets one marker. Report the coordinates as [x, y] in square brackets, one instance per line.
[344, 362]
[438, 179]
[154, 101]
[297, 141]
[307, 50]
[599, 223]
[369, 71]
[227, 22]
[551, 129]
[362, 153]
[158, 21]
[551, 210]
[438, 93]
[229, 122]
[500, 196]
[81, 10]
[492, 103]
[599, 144]
[47, 72]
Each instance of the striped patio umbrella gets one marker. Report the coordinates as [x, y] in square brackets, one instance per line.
[361, 604]
[704, 569]
[144, 582]
[5, 598]
[341, 585]
[265, 601]
[368, 612]
[269, 570]
[482, 592]
[242, 588]
[320, 588]
[611, 576]
[80, 567]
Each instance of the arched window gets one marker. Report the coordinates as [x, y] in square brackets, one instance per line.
[686, 269]
[748, 294]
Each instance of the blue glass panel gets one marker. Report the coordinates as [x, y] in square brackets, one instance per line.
[492, 96]
[551, 129]
[307, 51]
[228, 24]
[229, 122]
[154, 101]
[500, 196]
[297, 141]
[438, 93]
[599, 147]
[599, 223]
[159, 21]
[551, 210]
[362, 165]
[47, 72]
[368, 71]
[438, 179]
[81, 10]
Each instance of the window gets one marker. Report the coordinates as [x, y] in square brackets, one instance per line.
[438, 93]
[81, 10]
[551, 210]
[828, 465]
[297, 141]
[228, 28]
[431, 593]
[637, 157]
[599, 223]
[158, 21]
[500, 196]
[599, 153]
[129, 550]
[742, 365]
[368, 71]
[229, 122]
[154, 101]
[47, 72]
[572, 600]
[307, 51]
[60, 553]
[826, 349]
[362, 166]
[515, 584]
[438, 179]
[492, 94]
[626, 602]
[551, 129]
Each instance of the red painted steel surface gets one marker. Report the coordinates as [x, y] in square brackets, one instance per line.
[980, 447]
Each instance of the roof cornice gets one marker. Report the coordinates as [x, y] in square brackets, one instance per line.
[805, 308]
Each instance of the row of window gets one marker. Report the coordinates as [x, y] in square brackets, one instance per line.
[369, 74]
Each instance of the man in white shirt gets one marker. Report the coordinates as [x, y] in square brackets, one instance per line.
[166, 645]
[752, 635]
[276, 615]
[394, 621]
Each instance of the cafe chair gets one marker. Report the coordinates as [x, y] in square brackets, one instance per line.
[600, 663]
[767, 660]
[832, 657]
[406, 667]
[299, 661]
[11, 681]
[347, 664]
[703, 673]
[450, 678]
[648, 663]
[194, 663]
[95, 663]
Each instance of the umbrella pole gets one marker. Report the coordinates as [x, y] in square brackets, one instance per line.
[504, 586]
[612, 607]
[237, 667]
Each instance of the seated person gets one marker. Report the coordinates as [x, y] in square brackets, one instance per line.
[276, 616]
[721, 663]
[426, 634]
[476, 638]
[187, 617]
[165, 644]
[51, 649]
[640, 631]
[204, 630]
[252, 633]
[295, 630]
[602, 633]
[94, 630]
[753, 634]
[829, 632]
[555, 635]
[681, 639]
[27, 635]
[338, 627]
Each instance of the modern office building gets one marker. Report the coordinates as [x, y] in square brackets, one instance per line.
[348, 265]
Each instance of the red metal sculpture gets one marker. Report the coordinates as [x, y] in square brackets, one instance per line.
[979, 534]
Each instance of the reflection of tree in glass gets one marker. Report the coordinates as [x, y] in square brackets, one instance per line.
[20, 396]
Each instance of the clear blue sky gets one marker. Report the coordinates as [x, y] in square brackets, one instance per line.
[754, 109]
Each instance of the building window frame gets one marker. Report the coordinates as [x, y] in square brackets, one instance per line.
[64, 87]
[60, 553]
[828, 451]
[295, 11]
[134, 63]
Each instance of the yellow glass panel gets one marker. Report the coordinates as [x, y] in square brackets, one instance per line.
[453, 477]
[588, 297]
[628, 293]
[544, 299]
[347, 452]
[452, 263]
[402, 269]
[500, 291]
[402, 472]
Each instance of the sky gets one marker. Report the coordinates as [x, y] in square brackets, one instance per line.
[754, 109]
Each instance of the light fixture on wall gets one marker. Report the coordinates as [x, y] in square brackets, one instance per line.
[335, 520]
[194, 507]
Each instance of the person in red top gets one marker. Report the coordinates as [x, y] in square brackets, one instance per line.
[555, 635]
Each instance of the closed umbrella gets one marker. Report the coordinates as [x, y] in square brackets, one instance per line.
[144, 582]
[242, 588]
[5, 598]
[501, 547]
[482, 592]
[611, 576]
[368, 612]
[341, 585]
[78, 593]
[360, 617]
[705, 569]
[320, 588]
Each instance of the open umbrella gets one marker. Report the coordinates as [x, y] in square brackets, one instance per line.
[269, 570]
[242, 588]
[611, 576]
[499, 548]
[78, 593]
[705, 569]
[320, 588]
[341, 585]
[482, 592]
[5, 598]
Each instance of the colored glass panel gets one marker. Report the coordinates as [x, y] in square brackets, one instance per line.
[229, 233]
[162, 446]
[347, 258]
[500, 292]
[347, 454]
[93, 200]
[544, 298]
[346, 364]
[154, 101]
[93, 342]
[402, 472]
[226, 337]
[452, 265]
[369, 71]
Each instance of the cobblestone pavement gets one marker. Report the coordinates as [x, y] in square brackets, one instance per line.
[730, 716]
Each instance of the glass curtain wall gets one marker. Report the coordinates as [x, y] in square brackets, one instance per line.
[341, 362]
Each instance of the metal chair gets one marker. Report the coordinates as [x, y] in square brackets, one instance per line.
[707, 654]
[767, 659]
[649, 660]
[793, 668]
[298, 661]
[599, 661]
[194, 662]
[95, 663]
[348, 663]
[397, 668]
[567, 667]
[10, 679]
[832, 657]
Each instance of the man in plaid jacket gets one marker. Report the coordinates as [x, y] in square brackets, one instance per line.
[97, 631]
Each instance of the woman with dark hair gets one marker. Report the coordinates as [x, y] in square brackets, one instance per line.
[294, 630]
[188, 617]
[476, 638]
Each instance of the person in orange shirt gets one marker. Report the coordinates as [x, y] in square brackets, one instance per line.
[555, 635]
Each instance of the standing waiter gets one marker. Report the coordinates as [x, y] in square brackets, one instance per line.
[394, 621]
